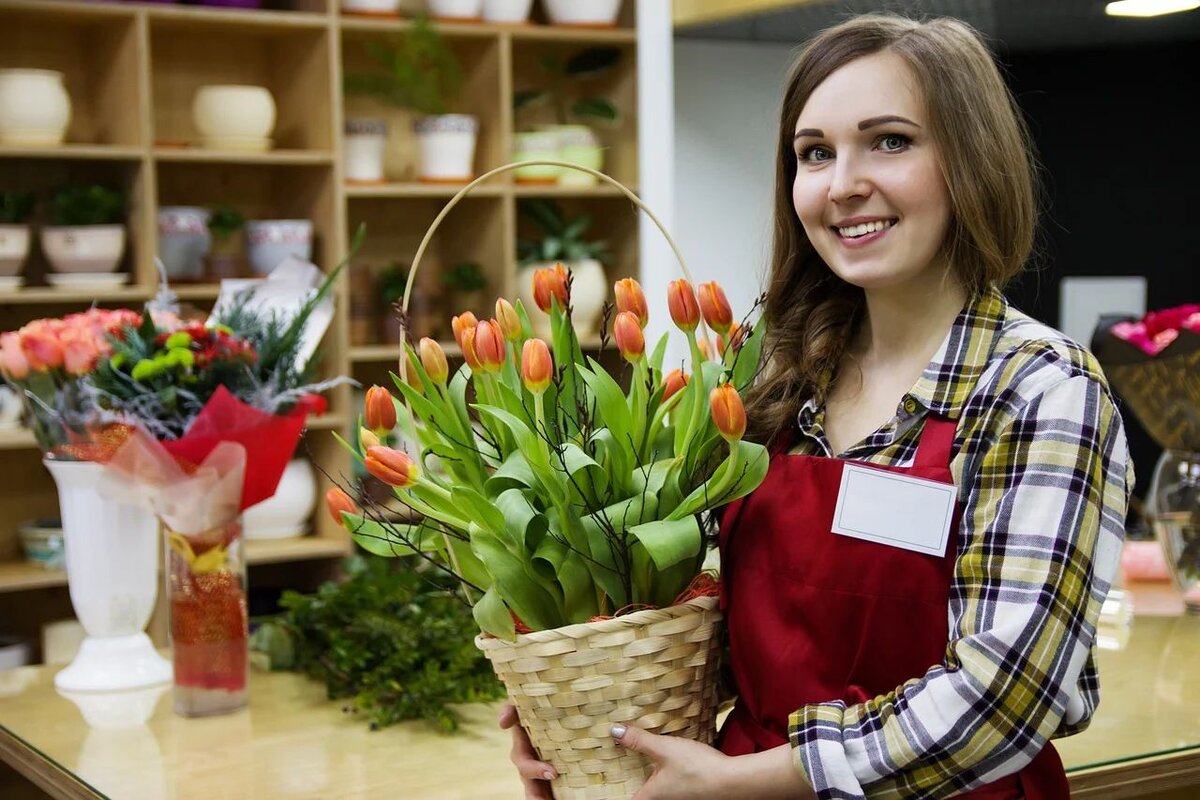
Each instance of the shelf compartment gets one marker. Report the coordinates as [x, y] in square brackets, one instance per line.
[17, 439]
[99, 56]
[16, 576]
[292, 62]
[480, 58]
[48, 295]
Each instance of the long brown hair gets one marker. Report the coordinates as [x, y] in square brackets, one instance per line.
[987, 161]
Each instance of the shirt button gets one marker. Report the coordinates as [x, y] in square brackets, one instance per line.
[910, 405]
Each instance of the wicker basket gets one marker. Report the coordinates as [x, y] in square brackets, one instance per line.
[656, 669]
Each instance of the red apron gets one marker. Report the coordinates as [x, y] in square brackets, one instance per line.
[814, 616]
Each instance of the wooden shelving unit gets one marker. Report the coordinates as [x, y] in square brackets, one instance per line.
[131, 70]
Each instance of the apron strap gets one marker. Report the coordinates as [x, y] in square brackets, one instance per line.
[937, 440]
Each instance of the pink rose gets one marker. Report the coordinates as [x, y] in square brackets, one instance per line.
[42, 349]
[13, 362]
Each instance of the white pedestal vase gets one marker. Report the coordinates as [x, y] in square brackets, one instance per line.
[35, 108]
[365, 145]
[112, 573]
[589, 290]
[287, 512]
[446, 147]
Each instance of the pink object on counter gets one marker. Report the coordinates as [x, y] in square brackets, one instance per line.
[1144, 561]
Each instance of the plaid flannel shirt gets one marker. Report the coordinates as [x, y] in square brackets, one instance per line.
[1043, 476]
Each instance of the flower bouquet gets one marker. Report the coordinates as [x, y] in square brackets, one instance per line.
[1154, 364]
[570, 509]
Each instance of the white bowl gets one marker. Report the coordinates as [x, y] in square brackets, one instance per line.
[83, 248]
[233, 112]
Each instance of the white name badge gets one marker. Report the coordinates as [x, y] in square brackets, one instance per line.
[894, 509]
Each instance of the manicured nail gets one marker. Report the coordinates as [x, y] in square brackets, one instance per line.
[617, 731]
[548, 775]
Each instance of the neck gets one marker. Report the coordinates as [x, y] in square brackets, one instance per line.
[909, 323]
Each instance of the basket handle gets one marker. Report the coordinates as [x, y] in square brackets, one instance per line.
[412, 273]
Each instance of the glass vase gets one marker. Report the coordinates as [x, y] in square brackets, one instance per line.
[206, 585]
[1175, 511]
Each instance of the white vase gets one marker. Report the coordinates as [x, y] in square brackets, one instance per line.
[35, 108]
[455, 10]
[287, 512]
[506, 12]
[270, 241]
[112, 574]
[381, 8]
[83, 248]
[589, 290]
[233, 117]
[583, 13]
[446, 147]
[14, 249]
[183, 241]
[365, 144]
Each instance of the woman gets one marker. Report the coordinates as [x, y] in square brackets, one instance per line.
[912, 593]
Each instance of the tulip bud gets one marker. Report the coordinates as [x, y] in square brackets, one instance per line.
[630, 339]
[510, 323]
[433, 359]
[681, 301]
[367, 439]
[489, 345]
[338, 503]
[461, 323]
[550, 282]
[393, 467]
[630, 297]
[467, 342]
[728, 413]
[715, 307]
[675, 381]
[380, 409]
[537, 366]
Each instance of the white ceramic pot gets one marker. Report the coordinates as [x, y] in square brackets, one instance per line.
[35, 108]
[378, 8]
[270, 241]
[446, 147]
[183, 241]
[14, 249]
[83, 248]
[589, 290]
[366, 145]
[536, 146]
[583, 13]
[287, 512]
[455, 9]
[577, 144]
[506, 12]
[234, 117]
[112, 574]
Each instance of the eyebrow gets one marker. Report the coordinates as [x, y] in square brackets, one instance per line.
[873, 122]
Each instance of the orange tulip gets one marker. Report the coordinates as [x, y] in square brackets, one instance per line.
[715, 307]
[461, 323]
[706, 347]
[467, 342]
[489, 345]
[675, 381]
[393, 467]
[728, 413]
[338, 503]
[510, 323]
[433, 359]
[380, 409]
[681, 301]
[550, 282]
[630, 339]
[537, 366]
[630, 297]
[367, 439]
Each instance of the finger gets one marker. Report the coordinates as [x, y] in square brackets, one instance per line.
[508, 716]
[638, 740]
[525, 758]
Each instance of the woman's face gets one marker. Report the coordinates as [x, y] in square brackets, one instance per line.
[869, 190]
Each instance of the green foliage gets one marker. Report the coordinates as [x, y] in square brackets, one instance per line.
[393, 639]
[224, 221]
[559, 73]
[15, 207]
[419, 71]
[391, 282]
[562, 240]
[87, 205]
[465, 277]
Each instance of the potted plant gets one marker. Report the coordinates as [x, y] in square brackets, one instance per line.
[86, 234]
[15, 210]
[583, 13]
[466, 283]
[225, 226]
[562, 240]
[420, 72]
[574, 142]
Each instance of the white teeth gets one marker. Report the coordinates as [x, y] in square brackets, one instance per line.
[865, 228]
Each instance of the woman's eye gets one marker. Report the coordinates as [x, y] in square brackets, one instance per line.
[815, 154]
[893, 142]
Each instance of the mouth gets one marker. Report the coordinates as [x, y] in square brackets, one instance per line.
[864, 231]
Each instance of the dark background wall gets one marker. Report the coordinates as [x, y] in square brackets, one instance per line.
[1117, 135]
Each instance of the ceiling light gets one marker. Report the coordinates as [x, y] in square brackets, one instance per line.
[1149, 8]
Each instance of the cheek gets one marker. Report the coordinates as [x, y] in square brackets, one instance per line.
[808, 199]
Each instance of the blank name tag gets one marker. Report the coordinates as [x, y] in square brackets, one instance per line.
[894, 509]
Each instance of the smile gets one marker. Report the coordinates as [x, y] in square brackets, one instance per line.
[864, 229]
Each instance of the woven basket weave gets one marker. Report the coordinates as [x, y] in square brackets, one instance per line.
[656, 669]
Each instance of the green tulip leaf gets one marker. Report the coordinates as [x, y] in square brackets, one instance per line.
[493, 616]
[390, 540]
[669, 542]
[518, 584]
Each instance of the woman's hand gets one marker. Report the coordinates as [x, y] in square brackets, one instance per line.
[683, 768]
[535, 774]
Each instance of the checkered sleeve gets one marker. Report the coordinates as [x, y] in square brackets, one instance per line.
[1044, 497]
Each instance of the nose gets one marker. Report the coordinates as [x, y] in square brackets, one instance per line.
[849, 179]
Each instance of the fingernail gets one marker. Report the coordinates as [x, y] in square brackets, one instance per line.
[548, 775]
[617, 731]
